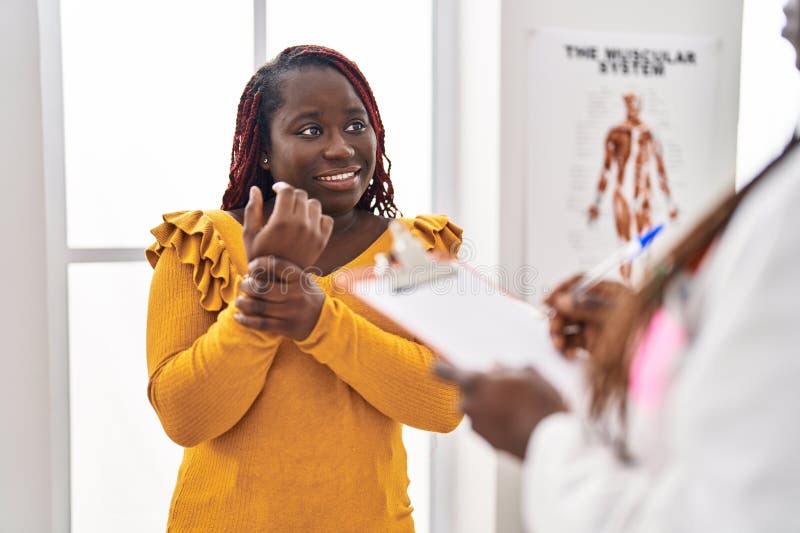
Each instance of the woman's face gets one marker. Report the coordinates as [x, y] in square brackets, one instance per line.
[321, 139]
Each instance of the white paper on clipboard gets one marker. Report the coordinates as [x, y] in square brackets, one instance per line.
[472, 324]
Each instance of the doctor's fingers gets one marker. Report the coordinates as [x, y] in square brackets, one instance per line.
[579, 309]
[463, 378]
[563, 287]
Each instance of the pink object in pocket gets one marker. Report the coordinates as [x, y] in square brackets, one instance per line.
[650, 368]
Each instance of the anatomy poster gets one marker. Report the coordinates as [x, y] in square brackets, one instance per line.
[620, 128]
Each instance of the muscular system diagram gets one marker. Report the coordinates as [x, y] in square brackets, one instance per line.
[632, 141]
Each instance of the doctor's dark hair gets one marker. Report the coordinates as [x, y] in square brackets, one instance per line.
[610, 362]
[263, 96]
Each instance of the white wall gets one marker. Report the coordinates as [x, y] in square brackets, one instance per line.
[24, 394]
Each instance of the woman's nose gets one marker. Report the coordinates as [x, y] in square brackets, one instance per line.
[338, 148]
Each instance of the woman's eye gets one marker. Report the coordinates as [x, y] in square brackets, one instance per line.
[311, 131]
[355, 126]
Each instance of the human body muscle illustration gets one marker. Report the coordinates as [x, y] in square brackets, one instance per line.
[632, 138]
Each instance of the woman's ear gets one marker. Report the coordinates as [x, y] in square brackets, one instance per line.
[263, 161]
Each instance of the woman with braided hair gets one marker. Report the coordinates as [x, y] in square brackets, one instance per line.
[288, 396]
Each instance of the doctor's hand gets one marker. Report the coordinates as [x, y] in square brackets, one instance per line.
[296, 230]
[504, 405]
[578, 321]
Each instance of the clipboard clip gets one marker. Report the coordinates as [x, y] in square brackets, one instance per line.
[408, 264]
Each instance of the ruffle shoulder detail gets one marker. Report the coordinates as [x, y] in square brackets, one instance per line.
[198, 243]
[437, 233]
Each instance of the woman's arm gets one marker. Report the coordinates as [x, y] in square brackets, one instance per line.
[392, 373]
[205, 368]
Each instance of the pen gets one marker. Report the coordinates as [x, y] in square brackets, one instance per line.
[625, 254]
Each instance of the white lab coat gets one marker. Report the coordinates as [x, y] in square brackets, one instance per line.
[723, 453]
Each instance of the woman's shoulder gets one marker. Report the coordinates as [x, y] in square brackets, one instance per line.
[185, 222]
[198, 239]
[436, 232]
[179, 227]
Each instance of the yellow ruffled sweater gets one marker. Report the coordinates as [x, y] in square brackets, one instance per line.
[281, 435]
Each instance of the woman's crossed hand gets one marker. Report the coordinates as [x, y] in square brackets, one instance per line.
[296, 230]
[280, 297]
[278, 294]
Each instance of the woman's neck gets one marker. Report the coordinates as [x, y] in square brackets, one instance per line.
[344, 221]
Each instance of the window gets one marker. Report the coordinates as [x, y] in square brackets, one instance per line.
[768, 105]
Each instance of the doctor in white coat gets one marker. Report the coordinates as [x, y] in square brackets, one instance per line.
[693, 417]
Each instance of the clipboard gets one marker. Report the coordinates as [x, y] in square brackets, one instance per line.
[461, 315]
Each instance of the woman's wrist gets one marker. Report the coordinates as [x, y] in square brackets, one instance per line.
[314, 317]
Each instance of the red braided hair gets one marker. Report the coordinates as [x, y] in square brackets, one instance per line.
[262, 97]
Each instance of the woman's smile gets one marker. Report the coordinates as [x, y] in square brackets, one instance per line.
[340, 179]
